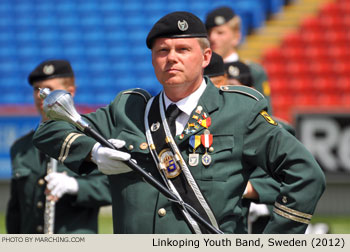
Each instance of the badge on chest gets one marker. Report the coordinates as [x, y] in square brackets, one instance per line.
[168, 159]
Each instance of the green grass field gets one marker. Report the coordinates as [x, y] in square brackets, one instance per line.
[337, 224]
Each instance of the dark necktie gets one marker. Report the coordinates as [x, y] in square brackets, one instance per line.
[172, 113]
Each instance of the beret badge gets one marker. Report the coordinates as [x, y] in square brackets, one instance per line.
[182, 25]
[233, 71]
[48, 69]
[219, 20]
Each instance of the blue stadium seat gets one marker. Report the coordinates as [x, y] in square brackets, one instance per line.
[103, 39]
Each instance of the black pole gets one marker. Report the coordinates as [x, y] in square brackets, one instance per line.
[152, 181]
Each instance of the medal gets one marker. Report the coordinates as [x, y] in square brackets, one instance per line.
[195, 141]
[207, 141]
[199, 109]
[206, 159]
[205, 122]
[193, 158]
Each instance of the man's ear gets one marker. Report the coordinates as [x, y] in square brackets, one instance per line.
[71, 90]
[206, 57]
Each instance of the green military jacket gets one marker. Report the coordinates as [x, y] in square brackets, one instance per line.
[73, 214]
[243, 138]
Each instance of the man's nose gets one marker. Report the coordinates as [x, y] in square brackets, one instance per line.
[172, 56]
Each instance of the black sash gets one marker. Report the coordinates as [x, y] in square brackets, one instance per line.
[180, 182]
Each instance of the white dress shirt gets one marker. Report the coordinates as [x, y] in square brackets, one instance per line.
[186, 105]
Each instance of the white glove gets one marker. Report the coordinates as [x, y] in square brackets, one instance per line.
[60, 184]
[109, 161]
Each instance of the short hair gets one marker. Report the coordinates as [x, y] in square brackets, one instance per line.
[204, 43]
[235, 23]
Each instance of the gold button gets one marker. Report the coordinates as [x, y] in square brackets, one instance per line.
[39, 204]
[284, 199]
[131, 147]
[161, 212]
[39, 229]
[41, 182]
[211, 149]
[143, 146]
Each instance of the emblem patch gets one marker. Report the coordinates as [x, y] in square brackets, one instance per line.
[172, 168]
[267, 117]
[182, 25]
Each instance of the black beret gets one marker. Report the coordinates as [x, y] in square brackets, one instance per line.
[215, 67]
[218, 17]
[178, 24]
[239, 71]
[51, 69]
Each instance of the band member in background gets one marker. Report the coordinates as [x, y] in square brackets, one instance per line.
[78, 198]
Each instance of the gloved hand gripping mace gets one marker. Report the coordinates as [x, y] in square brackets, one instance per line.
[58, 105]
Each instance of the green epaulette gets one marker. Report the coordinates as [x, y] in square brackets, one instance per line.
[146, 96]
[251, 92]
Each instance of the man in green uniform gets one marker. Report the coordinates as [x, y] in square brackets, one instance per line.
[224, 29]
[78, 198]
[201, 141]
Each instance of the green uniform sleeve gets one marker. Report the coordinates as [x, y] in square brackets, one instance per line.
[71, 147]
[267, 187]
[93, 190]
[283, 157]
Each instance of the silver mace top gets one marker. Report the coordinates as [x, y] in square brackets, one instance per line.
[59, 105]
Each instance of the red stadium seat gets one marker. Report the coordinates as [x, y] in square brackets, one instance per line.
[316, 53]
[312, 38]
[275, 69]
[341, 68]
[282, 102]
[323, 84]
[342, 85]
[294, 53]
[301, 85]
[279, 85]
[331, 22]
[272, 54]
[297, 69]
[329, 100]
[292, 39]
[330, 9]
[321, 68]
[339, 52]
[305, 100]
[340, 37]
[311, 23]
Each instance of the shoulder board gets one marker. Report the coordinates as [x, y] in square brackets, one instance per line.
[248, 91]
[146, 96]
